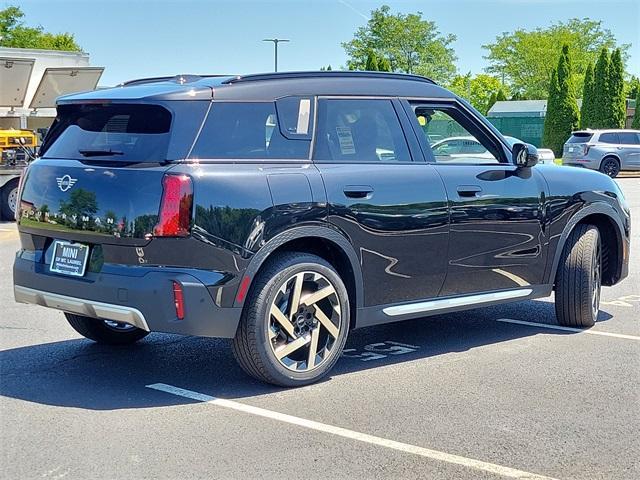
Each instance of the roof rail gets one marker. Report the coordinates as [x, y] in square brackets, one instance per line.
[256, 77]
[181, 79]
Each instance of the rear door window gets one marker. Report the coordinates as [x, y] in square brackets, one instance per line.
[629, 138]
[116, 132]
[359, 130]
[256, 130]
[609, 138]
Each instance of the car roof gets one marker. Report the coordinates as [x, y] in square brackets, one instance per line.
[604, 130]
[266, 87]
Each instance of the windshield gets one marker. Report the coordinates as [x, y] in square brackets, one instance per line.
[120, 132]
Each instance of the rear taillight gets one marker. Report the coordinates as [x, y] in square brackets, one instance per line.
[178, 300]
[174, 219]
[586, 149]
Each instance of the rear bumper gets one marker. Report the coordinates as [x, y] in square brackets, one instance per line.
[88, 308]
[140, 296]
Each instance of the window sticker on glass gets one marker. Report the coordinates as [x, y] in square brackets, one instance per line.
[304, 111]
[347, 147]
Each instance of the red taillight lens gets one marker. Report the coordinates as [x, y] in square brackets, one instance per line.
[175, 207]
[178, 300]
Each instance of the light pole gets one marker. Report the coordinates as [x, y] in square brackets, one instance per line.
[275, 41]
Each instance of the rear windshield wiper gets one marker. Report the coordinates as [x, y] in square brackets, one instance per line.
[99, 153]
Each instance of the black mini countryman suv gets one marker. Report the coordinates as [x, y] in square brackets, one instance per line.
[283, 210]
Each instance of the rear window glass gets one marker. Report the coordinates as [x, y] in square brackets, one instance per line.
[118, 132]
[580, 138]
[253, 130]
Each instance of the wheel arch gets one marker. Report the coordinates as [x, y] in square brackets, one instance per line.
[610, 155]
[611, 233]
[324, 242]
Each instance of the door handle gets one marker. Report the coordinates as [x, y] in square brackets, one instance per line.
[469, 190]
[358, 191]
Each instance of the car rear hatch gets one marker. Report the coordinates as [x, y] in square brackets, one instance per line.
[577, 146]
[102, 173]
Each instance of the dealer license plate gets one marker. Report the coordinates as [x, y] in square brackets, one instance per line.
[69, 258]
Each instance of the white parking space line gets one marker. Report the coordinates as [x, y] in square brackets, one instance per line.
[353, 435]
[569, 329]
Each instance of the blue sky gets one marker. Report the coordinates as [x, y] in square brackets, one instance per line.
[137, 38]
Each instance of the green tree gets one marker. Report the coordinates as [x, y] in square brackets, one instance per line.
[384, 65]
[500, 96]
[562, 107]
[14, 33]
[636, 116]
[522, 57]
[552, 113]
[587, 110]
[492, 101]
[601, 91]
[617, 98]
[478, 90]
[372, 62]
[410, 43]
[632, 87]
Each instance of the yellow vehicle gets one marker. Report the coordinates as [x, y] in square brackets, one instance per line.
[17, 148]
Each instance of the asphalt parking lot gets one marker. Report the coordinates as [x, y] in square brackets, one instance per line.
[478, 394]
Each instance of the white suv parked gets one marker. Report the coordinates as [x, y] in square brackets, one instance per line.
[609, 151]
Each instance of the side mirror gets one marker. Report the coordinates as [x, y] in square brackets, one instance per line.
[524, 155]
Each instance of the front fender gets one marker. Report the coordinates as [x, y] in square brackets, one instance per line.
[599, 208]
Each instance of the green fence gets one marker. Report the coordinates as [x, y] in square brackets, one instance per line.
[527, 129]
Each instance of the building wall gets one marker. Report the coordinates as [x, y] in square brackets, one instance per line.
[527, 129]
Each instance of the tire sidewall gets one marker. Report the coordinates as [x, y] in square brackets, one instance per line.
[7, 213]
[610, 160]
[271, 363]
[592, 285]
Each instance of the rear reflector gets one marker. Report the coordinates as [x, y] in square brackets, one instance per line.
[174, 219]
[178, 300]
[242, 291]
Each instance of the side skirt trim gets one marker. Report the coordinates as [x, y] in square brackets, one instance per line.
[448, 303]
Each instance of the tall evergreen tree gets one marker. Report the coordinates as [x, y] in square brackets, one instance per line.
[587, 110]
[617, 101]
[551, 116]
[601, 91]
[500, 96]
[564, 116]
[372, 62]
[636, 116]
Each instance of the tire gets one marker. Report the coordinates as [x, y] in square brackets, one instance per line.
[320, 321]
[579, 278]
[105, 331]
[610, 166]
[10, 199]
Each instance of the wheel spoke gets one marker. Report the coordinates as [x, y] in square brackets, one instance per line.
[295, 297]
[319, 295]
[292, 347]
[327, 323]
[282, 319]
[313, 347]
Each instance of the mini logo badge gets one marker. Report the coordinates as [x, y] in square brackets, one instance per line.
[66, 182]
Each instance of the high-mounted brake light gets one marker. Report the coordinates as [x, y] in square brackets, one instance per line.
[174, 219]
